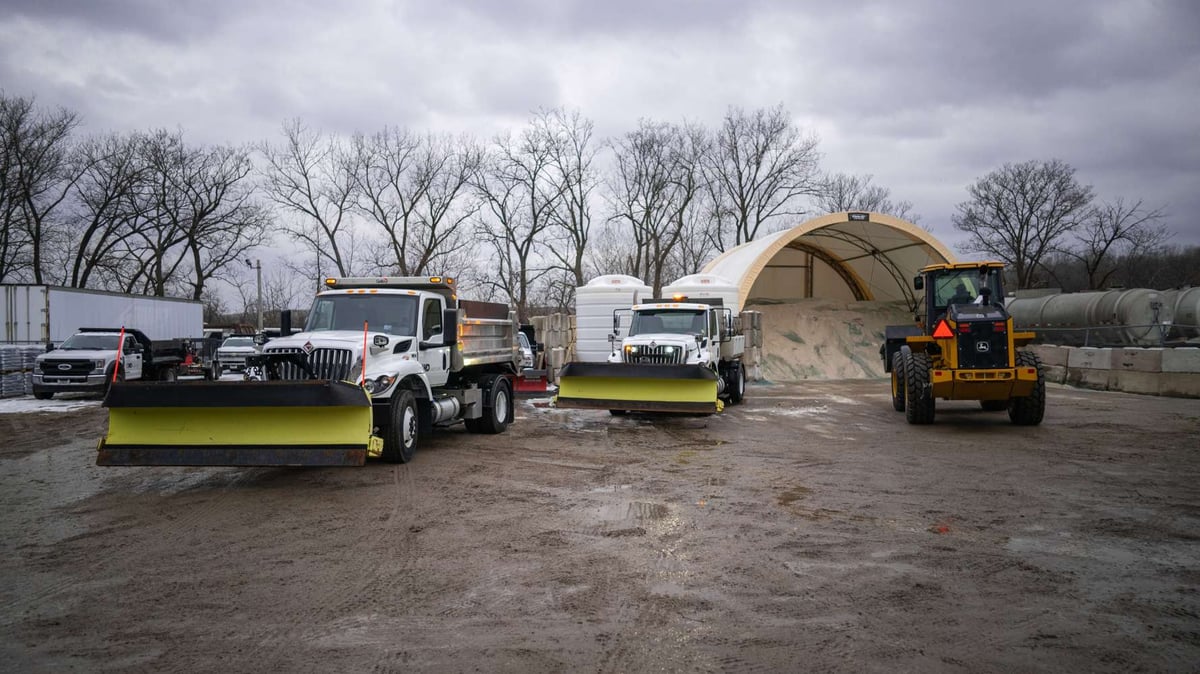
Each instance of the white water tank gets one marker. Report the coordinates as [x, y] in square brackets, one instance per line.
[697, 286]
[594, 305]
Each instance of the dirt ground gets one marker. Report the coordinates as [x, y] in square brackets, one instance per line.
[809, 529]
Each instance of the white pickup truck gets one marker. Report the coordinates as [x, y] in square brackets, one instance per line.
[85, 361]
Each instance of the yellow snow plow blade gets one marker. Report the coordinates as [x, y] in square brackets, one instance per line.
[638, 388]
[274, 423]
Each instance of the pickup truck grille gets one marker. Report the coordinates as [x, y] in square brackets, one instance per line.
[76, 368]
[656, 355]
[326, 363]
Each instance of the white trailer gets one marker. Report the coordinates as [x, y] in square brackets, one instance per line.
[40, 314]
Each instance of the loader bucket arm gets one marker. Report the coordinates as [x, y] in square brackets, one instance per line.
[272, 423]
[638, 388]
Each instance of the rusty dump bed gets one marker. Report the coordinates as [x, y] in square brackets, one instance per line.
[280, 423]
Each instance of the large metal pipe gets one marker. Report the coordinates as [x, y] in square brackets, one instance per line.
[1185, 304]
[1137, 317]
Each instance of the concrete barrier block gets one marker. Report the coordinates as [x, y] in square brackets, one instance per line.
[1086, 377]
[1055, 374]
[1132, 381]
[1090, 358]
[1137, 360]
[1179, 384]
[1051, 354]
[1185, 359]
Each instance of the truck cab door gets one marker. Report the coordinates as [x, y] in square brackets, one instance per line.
[131, 357]
[432, 352]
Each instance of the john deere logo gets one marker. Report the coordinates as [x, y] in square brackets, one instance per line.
[982, 347]
[64, 366]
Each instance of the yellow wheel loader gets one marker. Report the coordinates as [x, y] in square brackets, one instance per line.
[681, 355]
[963, 347]
[380, 363]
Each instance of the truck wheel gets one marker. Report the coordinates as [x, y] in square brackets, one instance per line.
[108, 378]
[1028, 411]
[918, 392]
[168, 374]
[497, 417]
[993, 405]
[43, 395]
[898, 382]
[618, 413]
[400, 442]
[737, 384]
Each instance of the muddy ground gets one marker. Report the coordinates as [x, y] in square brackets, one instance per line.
[809, 529]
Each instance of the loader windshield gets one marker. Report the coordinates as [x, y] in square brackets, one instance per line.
[393, 314]
[963, 286]
[673, 321]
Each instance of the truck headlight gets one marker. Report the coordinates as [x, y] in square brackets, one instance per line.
[631, 349]
[98, 365]
[379, 384]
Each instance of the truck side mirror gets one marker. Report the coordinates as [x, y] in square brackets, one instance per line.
[449, 327]
[918, 283]
[616, 324]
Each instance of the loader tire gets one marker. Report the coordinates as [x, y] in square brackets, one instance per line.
[1028, 411]
[497, 417]
[737, 383]
[918, 392]
[993, 405]
[898, 382]
[400, 442]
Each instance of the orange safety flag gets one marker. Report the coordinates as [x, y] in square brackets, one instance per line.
[942, 330]
[363, 378]
[120, 348]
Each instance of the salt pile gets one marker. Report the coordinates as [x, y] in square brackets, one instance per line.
[826, 339]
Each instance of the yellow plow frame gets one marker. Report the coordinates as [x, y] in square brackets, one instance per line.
[638, 388]
[272, 423]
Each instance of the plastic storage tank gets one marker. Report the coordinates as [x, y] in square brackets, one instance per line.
[1138, 317]
[700, 286]
[594, 305]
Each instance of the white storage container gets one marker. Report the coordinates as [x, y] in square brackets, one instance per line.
[594, 305]
[699, 286]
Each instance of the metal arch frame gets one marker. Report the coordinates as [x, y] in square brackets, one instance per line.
[848, 275]
[880, 256]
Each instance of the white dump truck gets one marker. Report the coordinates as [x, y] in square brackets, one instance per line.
[379, 363]
[680, 355]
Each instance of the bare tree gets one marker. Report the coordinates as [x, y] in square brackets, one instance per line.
[416, 189]
[572, 155]
[656, 181]
[1021, 212]
[1111, 229]
[106, 208]
[35, 151]
[313, 177]
[844, 192]
[519, 193]
[759, 167]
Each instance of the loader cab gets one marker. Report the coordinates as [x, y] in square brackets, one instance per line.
[947, 286]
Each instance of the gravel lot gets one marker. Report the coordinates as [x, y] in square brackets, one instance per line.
[810, 528]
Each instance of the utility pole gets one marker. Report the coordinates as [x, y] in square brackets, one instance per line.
[258, 269]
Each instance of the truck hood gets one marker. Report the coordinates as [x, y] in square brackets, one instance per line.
[239, 350]
[76, 354]
[662, 338]
[335, 339]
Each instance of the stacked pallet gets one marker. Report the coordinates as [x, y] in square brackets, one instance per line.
[16, 368]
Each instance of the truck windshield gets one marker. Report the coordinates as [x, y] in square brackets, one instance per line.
[393, 314]
[675, 321]
[85, 342]
[238, 341]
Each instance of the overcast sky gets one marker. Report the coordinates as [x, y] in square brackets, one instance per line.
[927, 95]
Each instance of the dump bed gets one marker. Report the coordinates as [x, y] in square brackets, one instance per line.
[487, 333]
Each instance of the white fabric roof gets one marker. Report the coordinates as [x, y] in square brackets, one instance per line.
[863, 256]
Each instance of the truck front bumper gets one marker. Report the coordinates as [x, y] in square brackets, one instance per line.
[92, 383]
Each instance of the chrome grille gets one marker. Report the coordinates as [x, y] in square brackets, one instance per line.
[325, 363]
[656, 355]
